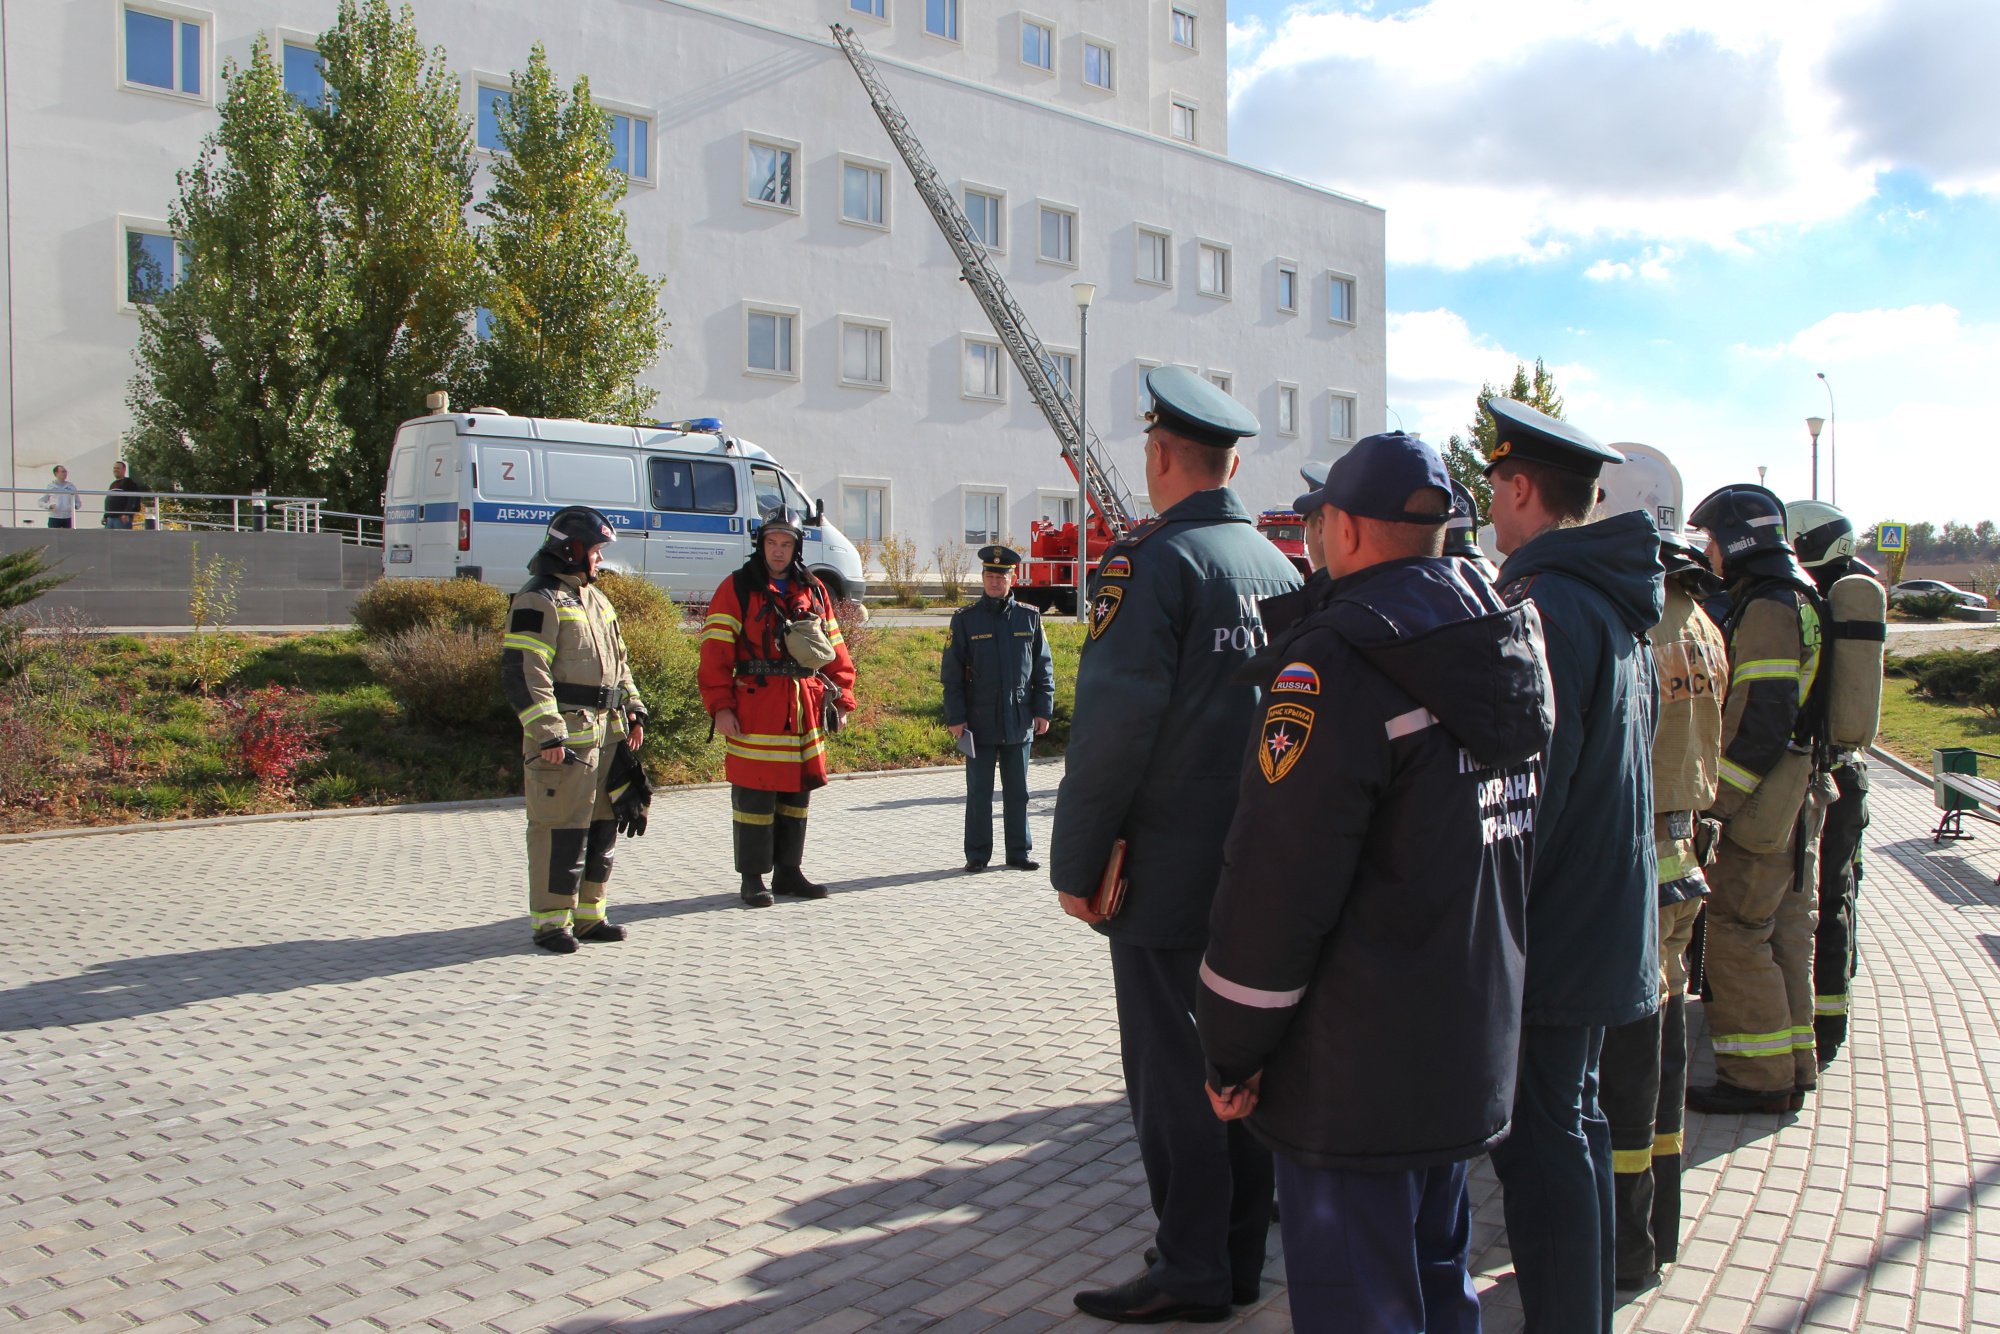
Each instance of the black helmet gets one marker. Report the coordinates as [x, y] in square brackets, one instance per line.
[1681, 559]
[573, 532]
[1460, 528]
[1822, 534]
[1748, 521]
[780, 519]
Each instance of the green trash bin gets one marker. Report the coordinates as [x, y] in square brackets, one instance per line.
[1953, 760]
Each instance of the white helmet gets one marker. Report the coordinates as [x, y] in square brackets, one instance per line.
[1649, 481]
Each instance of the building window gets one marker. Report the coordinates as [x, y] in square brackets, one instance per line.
[1156, 251]
[1288, 288]
[864, 355]
[1182, 121]
[305, 74]
[163, 52]
[1222, 380]
[1214, 276]
[492, 105]
[874, 9]
[1058, 508]
[630, 152]
[941, 19]
[983, 211]
[861, 510]
[1058, 235]
[1340, 416]
[982, 517]
[1143, 404]
[1038, 45]
[1062, 368]
[152, 265]
[861, 190]
[770, 342]
[1340, 299]
[769, 178]
[1183, 28]
[1288, 409]
[1097, 65]
[982, 370]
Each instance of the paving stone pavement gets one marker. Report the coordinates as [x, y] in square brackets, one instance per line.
[310, 1076]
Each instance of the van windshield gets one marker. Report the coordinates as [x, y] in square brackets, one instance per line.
[774, 488]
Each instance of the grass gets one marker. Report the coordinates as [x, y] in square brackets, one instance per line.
[1913, 726]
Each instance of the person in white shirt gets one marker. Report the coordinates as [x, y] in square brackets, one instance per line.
[60, 500]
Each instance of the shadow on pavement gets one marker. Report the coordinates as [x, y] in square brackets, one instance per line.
[956, 799]
[1950, 878]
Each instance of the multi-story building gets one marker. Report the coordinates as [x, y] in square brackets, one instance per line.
[816, 309]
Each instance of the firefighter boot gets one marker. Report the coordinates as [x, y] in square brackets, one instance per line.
[1667, 1131]
[788, 849]
[754, 893]
[791, 882]
[1637, 1260]
[588, 921]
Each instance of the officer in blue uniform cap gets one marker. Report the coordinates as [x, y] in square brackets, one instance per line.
[999, 684]
[1162, 724]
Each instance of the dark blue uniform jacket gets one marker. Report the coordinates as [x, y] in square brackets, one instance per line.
[1366, 946]
[1593, 924]
[1161, 720]
[998, 676]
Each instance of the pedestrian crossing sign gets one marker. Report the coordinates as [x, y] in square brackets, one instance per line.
[1890, 536]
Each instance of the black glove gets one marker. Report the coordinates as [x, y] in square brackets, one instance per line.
[631, 792]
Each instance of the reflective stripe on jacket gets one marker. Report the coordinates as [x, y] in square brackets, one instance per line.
[561, 630]
[1774, 650]
[783, 747]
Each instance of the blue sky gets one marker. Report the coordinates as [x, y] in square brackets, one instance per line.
[1687, 210]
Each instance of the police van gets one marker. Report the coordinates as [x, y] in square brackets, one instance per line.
[470, 496]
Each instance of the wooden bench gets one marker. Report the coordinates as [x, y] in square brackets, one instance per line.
[1959, 791]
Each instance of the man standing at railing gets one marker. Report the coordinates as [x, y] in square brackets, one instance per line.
[60, 500]
[120, 511]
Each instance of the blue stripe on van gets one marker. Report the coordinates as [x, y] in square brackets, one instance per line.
[678, 522]
[440, 511]
[485, 511]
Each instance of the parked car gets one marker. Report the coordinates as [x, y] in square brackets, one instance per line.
[1909, 586]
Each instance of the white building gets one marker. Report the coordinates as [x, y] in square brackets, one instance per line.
[815, 307]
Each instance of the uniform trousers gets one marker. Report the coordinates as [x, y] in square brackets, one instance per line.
[1644, 1074]
[1210, 1180]
[1377, 1252]
[1555, 1167]
[572, 839]
[1757, 959]
[1012, 761]
[1836, 950]
[769, 828]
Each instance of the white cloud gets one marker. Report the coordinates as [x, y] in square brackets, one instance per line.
[1604, 269]
[1869, 336]
[1436, 367]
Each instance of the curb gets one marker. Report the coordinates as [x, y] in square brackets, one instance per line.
[415, 808]
[1902, 766]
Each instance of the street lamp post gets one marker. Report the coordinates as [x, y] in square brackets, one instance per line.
[1813, 424]
[1832, 439]
[1084, 294]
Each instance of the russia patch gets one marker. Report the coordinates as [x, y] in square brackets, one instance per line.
[1118, 567]
[1297, 679]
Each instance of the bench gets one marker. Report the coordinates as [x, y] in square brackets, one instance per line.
[1959, 791]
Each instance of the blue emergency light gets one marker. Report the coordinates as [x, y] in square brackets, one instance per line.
[705, 425]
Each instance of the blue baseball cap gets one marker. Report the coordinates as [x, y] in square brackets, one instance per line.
[1375, 478]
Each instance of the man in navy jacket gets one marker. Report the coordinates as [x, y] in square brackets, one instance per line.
[999, 684]
[1361, 992]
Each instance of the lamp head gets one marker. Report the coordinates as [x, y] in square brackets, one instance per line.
[1084, 293]
[1814, 424]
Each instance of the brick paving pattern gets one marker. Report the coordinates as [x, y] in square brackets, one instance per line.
[310, 1076]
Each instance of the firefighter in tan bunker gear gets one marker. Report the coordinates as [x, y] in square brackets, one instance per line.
[564, 671]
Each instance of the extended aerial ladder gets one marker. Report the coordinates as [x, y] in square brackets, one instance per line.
[1111, 511]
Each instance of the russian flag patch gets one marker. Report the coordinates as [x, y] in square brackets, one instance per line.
[1297, 679]
[1116, 568]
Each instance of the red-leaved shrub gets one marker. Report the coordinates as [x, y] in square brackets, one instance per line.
[276, 730]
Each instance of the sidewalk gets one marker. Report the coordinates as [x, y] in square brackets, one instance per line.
[309, 1076]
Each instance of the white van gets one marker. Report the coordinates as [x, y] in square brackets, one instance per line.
[470, 496]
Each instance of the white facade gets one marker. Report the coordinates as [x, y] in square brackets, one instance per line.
[845, 345]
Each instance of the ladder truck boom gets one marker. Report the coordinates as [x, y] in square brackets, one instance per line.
[1109, 496]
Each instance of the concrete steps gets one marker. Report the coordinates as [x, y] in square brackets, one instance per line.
[140, 578]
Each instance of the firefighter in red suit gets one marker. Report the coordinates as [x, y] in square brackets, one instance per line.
[770, 654]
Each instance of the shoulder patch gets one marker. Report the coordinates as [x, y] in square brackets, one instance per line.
[1141, 532]
[1118, 567]
[1514, 592]
[1103, 607]
[1287, 728]
[1297, 679]
[526, 619]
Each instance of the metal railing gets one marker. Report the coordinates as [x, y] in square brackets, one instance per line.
[203, 511]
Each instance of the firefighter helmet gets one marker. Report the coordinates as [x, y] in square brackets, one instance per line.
[573, 532]
[1648, 482]
[781, 519]
[1822, 535]
[1458, 529]
[1746, 520]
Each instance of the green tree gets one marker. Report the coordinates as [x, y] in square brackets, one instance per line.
[575, 321]
[398, 181]
[1465, 456]
[235, 385]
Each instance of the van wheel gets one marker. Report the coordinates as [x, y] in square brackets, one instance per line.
[836, 587]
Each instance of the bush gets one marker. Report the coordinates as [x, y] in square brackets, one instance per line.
[1956, 675]
[638, 600]
[392, 607]
[450, 677]
[665, 659]
[274, 730]
[1929, 606]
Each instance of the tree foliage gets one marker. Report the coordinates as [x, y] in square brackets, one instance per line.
[25, 575]
[1465, 456]
[235, 385]
[575, 320]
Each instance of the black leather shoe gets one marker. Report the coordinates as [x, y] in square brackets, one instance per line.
[974, 868]
[1024, 864]
[559, 941]
[1723, 1098]
[602, 931]
[754, 893]
[1140, 1303]
[792, 883]
[1239, 1294]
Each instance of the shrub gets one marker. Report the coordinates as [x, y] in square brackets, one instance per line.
[1928, 606]
[27, 751]
[24, 576]
[445, 676]
[1953, 674]
[638, 600]
[899, 567]
[665, 659]
[275, 730]
[392, 607]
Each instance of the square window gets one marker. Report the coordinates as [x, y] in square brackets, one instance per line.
[770, 175]
[1062, 368]
[1182, 124]
[305, 74]
[1156, 251]
[863, 358]
[1097, 65]
[492, 105]
[941, 19]
[1058, 235]
[1222, 380]
[982, 210]
[163, 52]
[1183, 28]
[861, 193]
[982, 517]
[1143, 404]
[770, 342]
[874, 9]
[982, 370]
[1288, 409]
[1288, 289]
[861, 509]
[1038, 44]
[1214, 277]
[629, 146]
[152, 266]
[1057, 508]
[1340, 299]
[1340, 416]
